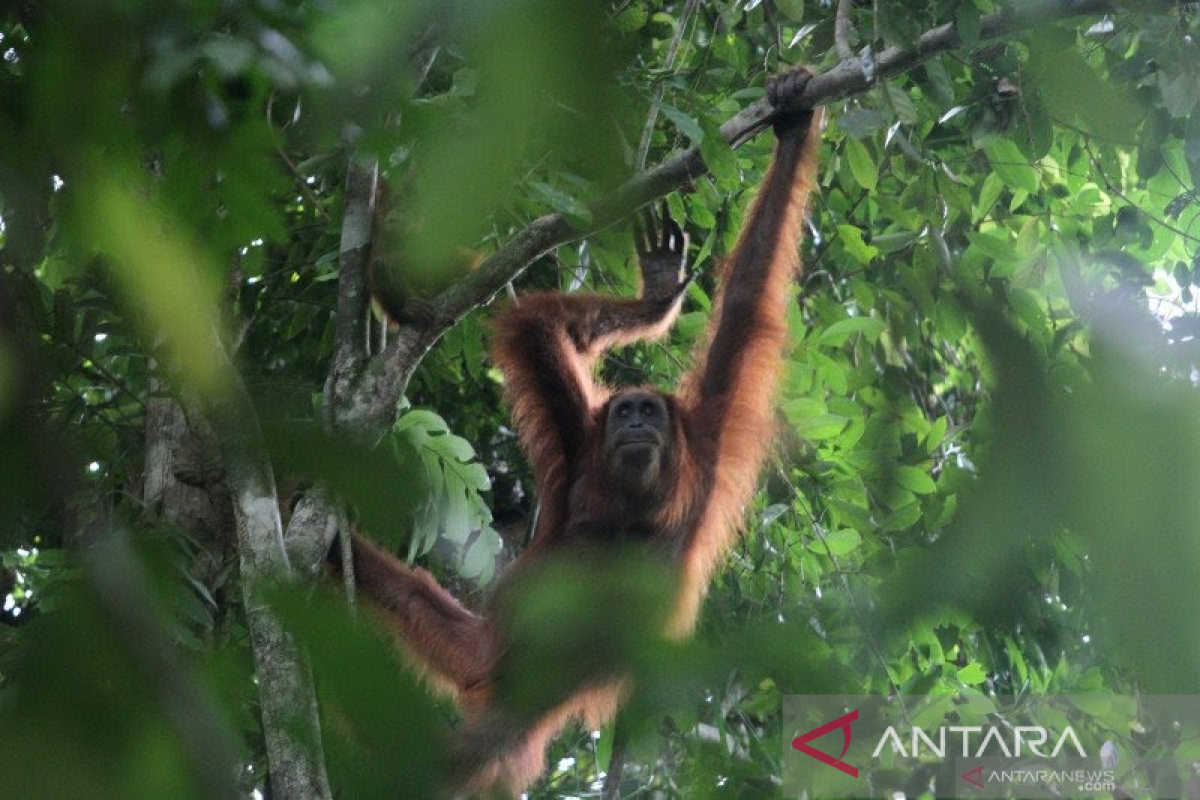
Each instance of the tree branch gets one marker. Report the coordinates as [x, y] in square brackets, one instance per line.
[362, 179]
[288, 703]
[549, 231]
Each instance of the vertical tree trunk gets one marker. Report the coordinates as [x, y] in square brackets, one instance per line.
[291, 724]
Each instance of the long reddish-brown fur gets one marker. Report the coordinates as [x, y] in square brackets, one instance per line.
[720, 425]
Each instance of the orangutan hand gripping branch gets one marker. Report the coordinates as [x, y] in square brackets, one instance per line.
[671, 472]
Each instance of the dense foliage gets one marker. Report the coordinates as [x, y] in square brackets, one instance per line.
[987, 434]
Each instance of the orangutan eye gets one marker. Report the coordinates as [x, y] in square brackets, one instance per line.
[648, 409]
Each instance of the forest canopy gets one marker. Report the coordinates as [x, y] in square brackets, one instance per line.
[985, 437]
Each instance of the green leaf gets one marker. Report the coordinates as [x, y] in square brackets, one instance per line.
[1154, 133]
[989, 193]
[903, 517]
[852, 240]
[421, 418]
[1180, 95]
[1012, 165]
[862, 166]
[840, 331]
[803, 409]
[560, 201]
[937, 432]
[993, 244]
[915, 480]
[861, 122]
[940, 85]
[972, 674]
[901, 103]
[475, 476]
[838, 543]
[1068, 84]
[633, 18]
[825, 426]
[792, 9]
[967, 24]
[718, 155]
[688, 126]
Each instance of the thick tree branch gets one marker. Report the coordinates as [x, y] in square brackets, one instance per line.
[552, 230]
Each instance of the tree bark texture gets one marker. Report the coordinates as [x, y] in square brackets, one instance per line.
[291, 724]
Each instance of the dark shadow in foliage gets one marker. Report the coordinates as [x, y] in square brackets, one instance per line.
[384, 737]
[1131, 493]
[984, 562]
[1109, 461]
[38, 464]
[100, 702]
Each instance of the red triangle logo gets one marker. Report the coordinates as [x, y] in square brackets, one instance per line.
[843, 722]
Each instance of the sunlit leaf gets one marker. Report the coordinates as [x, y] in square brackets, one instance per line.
[1012, 166]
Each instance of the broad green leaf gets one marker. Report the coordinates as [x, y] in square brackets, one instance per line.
[561, 201]
[792, 9]
[860, 123]
[937, 432]
[993, 244]
[902, 518]
[687, 125]
[852, 240]
[718, 155]
[839, 543]
[1106, 106]
[915, 480]
[1154, 133]
[803, 409]
[825, 426]
[838, 332]
[1012, 165]
[989, 193]
[420, 418]
[862, 166]
[901, 103]
[633, 17]
[939, 82]
[972, 674]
